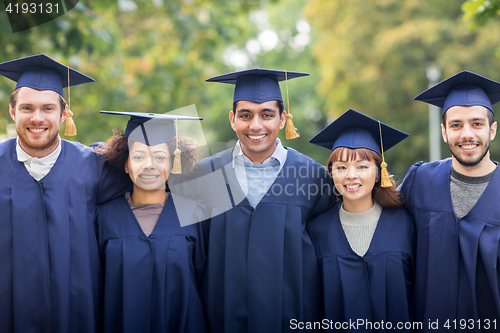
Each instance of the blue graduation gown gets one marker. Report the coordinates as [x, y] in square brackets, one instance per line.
[262, 270]
[151, 283]
[51, 278]
[458, 271]
[376, 287]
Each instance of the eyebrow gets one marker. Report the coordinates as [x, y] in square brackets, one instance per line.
[144, 152]
[260, 111]
[468, 120]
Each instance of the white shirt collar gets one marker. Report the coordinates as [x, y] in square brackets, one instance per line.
[279, 154]
[50, 159]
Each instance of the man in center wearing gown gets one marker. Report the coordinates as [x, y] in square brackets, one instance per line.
[262, 274]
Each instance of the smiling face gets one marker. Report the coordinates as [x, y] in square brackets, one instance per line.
[354, 176]
[38, 117]
[468, 134]
[148, 166]
[257, 127]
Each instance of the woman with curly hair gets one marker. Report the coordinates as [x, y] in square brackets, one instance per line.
[364, 244]
[153, 256]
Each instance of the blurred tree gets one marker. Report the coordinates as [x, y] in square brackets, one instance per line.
[146, 55]
[479, 12]
[373, 57]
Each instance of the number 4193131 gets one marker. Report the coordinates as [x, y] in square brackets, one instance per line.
[32, 8]
[463, 324]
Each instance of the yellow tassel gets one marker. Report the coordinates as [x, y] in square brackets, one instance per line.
[177, 168]
[290, 130]
[70, 124]
[386, 178]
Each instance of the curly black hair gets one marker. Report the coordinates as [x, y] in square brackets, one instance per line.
[115, 152]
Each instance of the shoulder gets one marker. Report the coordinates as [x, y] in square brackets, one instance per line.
[7, 146]
[76, 148]
[302, 166]
[214, 162]
[430, 167]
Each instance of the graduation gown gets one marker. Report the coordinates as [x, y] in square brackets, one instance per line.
[262, 269]
[375, 288]
[458, 271]
[151, 283]
[51, 278]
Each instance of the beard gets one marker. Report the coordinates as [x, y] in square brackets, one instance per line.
[469, 163]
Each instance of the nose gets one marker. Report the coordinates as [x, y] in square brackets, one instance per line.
[37, 117]
[256, 124]
[352, 172]
[467, 132]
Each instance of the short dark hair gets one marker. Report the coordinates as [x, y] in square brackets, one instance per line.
[387, 197]
[279, 104]
[491, 119]
[13, 100]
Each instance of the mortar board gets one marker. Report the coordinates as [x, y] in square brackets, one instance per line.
[261, 85]
[256, 85]
[153, 129]
[464, 89]
[41, 72]
[355, 130]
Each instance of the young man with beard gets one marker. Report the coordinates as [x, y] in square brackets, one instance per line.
[262, 272]
[455, 206]
[51, 276]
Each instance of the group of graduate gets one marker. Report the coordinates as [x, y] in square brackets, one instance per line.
[138, 235]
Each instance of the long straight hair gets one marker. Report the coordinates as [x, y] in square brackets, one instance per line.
[387, 197]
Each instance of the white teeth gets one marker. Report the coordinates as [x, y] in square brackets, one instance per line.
[37, 130]
[352, 186]
[469, 146]
[256, 137]
[148, 177]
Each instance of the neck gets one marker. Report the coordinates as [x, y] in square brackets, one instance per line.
[482, 168]
[38, 152]
[141, 197]
[257, 158]
[357, 206]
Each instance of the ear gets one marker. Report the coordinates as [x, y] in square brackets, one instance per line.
[231, 119]
[443, 133]
[283, 119]
[64, 114]
[493, 130]
[126, 167]
[12, 112]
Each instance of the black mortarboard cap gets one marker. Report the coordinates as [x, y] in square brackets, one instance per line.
[356, 130]
[41, 72]
[256, 85]
[465, 89]
[150, 128]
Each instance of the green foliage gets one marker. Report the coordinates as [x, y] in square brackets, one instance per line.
[479, 12]
[373, 57]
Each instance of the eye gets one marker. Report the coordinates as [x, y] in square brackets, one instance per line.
[137, 157]
[340, 167]
[268, 115]
[363, 167]
[160, 158]
[478, 124]
[244, 116]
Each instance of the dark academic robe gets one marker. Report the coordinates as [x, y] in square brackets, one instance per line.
[376, 288]
[50, 273]
[151, 283]
[458, 261]
[262, 270]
